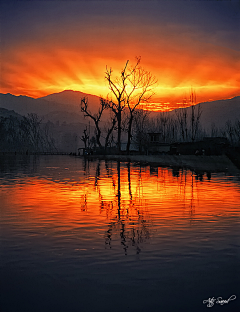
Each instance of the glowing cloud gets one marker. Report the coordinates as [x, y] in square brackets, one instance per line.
[70, 47]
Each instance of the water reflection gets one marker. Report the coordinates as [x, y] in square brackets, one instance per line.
[128, 202]
[82, 234]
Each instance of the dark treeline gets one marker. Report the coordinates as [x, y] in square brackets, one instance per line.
[29, 134]
[184, 126]
[25, 134]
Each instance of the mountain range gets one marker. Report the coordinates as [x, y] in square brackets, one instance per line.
[64, 107]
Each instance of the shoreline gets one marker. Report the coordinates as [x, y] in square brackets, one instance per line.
[196, 163]
[211, 164]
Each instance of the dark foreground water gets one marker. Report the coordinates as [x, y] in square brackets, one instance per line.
[107, 236]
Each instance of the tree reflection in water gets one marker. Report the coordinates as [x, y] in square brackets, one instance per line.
[124, 190]
[128, 219]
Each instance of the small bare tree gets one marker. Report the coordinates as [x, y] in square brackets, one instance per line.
[182, 118]
[109, 127]
[48, 134]
[189, 118]
[85, 138]
[31, 129]
[95, 117]
[232, 131]
[196, 113]
[140, 124]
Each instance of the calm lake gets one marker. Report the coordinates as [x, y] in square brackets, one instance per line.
[95, 236]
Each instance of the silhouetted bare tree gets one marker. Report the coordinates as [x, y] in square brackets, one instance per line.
[134, 86]
[196, 113]
[117, 87]
[182, 118]
[141, 127]
[232, 132]
[95, 117]
[85, 137]
[139, 92]
[109, 127]
[189, 120]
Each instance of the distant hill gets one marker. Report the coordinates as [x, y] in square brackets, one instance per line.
[5, 113]
[70, 97]
[24, 105]
[218, 112]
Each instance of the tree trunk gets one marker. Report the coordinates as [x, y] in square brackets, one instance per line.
[119, 119]
[129, 133]
[109, 132]
[98, 135]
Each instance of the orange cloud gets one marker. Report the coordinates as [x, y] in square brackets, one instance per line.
[180, 57]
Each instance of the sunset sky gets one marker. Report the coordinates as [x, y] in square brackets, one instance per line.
[51, 46]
